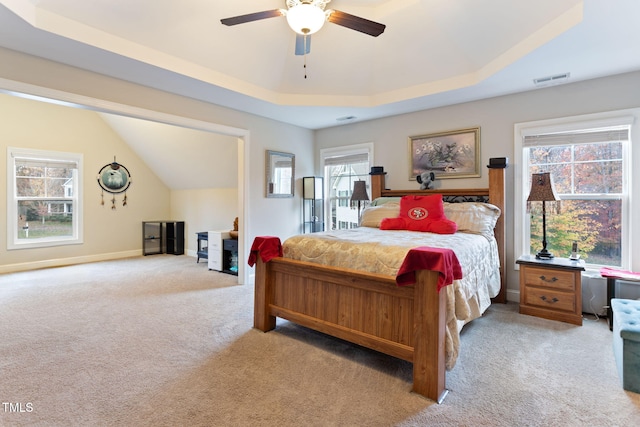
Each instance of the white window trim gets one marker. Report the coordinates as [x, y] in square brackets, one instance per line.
[630, 242]
[347, 150]
[341, 151]
[12, 220]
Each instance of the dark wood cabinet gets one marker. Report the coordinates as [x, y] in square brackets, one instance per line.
[162, 237]
[230, 256]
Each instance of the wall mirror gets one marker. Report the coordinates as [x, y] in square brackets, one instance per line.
[280, 168]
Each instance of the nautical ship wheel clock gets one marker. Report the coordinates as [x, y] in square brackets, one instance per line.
[114, 178]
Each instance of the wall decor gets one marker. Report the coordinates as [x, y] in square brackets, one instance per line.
[114, 178]
[452, 154]
[280, 174]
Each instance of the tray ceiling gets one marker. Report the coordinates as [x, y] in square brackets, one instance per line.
[432, 53]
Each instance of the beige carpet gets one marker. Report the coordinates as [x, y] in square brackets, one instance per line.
[162, 341]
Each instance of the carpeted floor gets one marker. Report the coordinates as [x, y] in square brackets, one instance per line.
[162, 341]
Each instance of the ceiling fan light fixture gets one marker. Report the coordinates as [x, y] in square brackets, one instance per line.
[306, 18]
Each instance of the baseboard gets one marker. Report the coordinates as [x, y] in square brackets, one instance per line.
[35, 265]
[513, 295]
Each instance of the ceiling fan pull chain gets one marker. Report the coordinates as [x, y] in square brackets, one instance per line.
[305, 56]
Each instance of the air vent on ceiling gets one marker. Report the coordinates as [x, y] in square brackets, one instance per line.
[346, 118]
[551, 80]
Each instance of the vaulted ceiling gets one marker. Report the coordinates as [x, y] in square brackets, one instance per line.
[432, 53]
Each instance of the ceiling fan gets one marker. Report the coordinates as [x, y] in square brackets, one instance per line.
[306, 17]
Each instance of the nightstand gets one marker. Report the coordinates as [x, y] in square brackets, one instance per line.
[551, 288]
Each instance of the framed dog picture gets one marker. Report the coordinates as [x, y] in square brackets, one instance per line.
[452, 154]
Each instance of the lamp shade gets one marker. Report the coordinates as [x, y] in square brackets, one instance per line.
[359, 191]
[312, 188]
[542, 190]
[305, 18]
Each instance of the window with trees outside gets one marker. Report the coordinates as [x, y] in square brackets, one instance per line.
[589, 169]
[342, 167]
[44, 206]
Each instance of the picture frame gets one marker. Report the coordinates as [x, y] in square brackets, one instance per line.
[450, 154]
[280, 174]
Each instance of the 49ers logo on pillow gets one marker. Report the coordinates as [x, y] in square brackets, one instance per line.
[418, 213]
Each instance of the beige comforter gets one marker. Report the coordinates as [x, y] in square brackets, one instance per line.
[382, 251]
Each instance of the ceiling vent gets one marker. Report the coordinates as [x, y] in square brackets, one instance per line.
[551, 80]
[346, 118]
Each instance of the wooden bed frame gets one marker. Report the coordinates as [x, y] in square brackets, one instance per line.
[407, 322]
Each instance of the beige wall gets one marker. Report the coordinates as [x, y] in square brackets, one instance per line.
[107, 232]
[45, 126]
[261, 216]
[204, 210]
[496, 117]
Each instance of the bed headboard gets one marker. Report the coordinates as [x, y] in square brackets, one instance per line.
[495, 194]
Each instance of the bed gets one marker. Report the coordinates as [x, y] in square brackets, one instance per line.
[370, 309]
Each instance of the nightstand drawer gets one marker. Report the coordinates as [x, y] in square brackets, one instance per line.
[546, 298]
[549, 278]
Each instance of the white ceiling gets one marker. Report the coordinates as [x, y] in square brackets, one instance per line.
[433, 52]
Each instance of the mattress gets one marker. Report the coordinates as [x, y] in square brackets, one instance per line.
[383, 251]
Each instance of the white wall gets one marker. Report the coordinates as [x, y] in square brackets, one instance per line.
[496, 117]
[281, 217]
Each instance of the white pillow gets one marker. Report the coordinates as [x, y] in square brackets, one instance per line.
[373, 215]
[473, 217]
[382, 200]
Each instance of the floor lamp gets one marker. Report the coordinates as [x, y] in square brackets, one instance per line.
[542, 190]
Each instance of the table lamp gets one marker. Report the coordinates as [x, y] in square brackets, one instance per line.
[359, 194]
[542, 190]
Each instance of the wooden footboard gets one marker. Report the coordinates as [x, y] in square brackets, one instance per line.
[367, 309]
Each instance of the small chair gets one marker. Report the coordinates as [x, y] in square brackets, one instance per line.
[626, 342]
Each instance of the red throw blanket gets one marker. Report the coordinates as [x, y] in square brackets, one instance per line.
[267, 246]
[620, 274]
[441, 260]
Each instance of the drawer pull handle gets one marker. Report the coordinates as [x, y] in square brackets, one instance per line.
[551, 301]
[553, 279]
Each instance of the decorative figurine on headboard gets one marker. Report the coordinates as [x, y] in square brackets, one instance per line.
[425, 179]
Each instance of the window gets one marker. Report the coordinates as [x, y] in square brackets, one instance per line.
[588, 162]
[341, 168]
[43, 198]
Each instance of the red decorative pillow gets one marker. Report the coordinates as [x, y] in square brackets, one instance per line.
[393, 224]
[421, 213]
[419, 208]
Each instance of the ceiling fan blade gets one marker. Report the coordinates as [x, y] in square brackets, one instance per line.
[235, 20]
[356, 23]
[301, 48]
